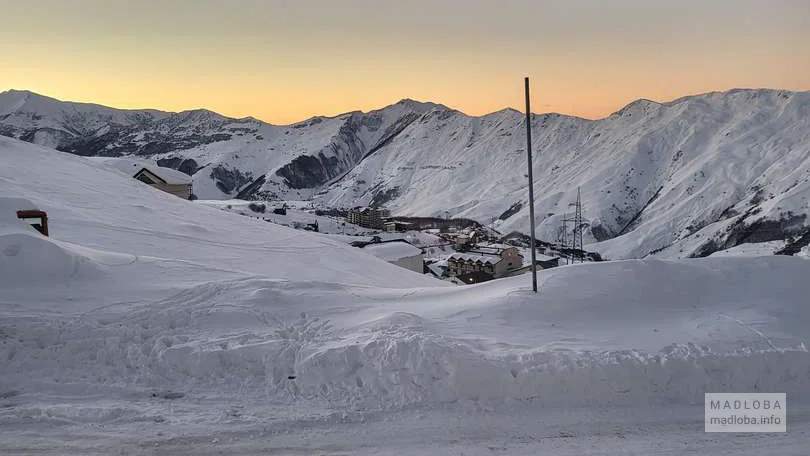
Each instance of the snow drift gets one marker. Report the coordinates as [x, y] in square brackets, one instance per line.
[259, 339]
[26, 256]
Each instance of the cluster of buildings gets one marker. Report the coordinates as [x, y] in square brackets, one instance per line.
[484, 262]
[474, 264]
[479, 264]
[475, 256]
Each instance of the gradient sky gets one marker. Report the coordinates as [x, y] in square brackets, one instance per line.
[286, 60]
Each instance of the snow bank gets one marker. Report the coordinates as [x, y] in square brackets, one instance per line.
[391, 372]
[31, 258]
[26, 256]
[287, 342]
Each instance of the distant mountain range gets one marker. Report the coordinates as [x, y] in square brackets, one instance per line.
[686, 178]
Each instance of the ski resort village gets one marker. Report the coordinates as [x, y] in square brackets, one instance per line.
[583, 229]
[460, 251]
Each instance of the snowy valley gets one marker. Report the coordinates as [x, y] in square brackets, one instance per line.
[688, 178]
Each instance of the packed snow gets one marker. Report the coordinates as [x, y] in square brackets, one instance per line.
[150, 324]
[392, 251]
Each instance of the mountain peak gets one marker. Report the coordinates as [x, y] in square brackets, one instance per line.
[16, 92]
[418, 106]
[747, 95]
[507, 112]
[14, 100]
[641, 104]
[201, 114]
[27, 95]
[410, 101]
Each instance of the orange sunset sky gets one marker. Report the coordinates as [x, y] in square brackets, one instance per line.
[283, 60]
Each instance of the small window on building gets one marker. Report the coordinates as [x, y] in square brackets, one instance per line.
[145, 179]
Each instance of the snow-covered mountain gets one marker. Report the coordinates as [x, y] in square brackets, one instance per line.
[686, 178]
[227, 157]
[146, 324]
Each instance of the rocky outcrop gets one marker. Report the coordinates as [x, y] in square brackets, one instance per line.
[185, 165]
[229, 180]
[92, 130]
[339, 156]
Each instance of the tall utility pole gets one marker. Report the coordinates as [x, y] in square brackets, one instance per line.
[578, 246]
[531, 183]
[562, 234]
[577, 251]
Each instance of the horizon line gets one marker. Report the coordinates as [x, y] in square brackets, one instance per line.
[409, 99]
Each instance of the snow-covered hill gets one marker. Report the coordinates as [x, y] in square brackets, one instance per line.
[686, 178]
[149, 324]
[100, 208]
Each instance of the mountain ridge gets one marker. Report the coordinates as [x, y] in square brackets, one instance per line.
[681, 178]
[412, 100]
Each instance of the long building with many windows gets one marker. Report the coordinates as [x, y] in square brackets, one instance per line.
[369, 217]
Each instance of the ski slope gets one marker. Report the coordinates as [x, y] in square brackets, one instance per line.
[151, 325]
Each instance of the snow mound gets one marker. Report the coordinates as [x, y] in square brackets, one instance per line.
[30, 257]
[27, 256]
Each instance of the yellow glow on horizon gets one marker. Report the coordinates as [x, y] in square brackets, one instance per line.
[282, 62]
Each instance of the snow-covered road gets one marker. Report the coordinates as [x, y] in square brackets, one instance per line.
[145, 425]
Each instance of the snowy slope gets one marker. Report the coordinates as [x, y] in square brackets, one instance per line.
[146, 323]
[685, 178]
[98, 207]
